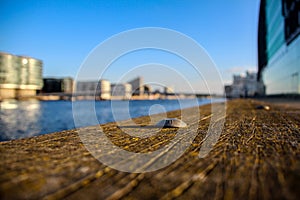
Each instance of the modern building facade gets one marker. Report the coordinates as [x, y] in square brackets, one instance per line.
[104, 89]
[137, 86]
[99, 89]
[58, 85]
[121, 90]
[52, 85]
[245, 86]
[20, 76]
[279, 46]
[67, 85]
[87, 88]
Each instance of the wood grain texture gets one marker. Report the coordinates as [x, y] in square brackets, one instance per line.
[256, 157]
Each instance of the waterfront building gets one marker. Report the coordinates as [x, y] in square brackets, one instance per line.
[20, 76]
[67, 85]
[168, 90]
[104, 89]
[86, 88]
[9, 75]
[52, 85]
[137, 86]
[121, 91]
[58, 85]
[99, 89]
[245, 86]
[279, 46]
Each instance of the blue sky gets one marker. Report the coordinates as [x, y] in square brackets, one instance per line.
[63, 33]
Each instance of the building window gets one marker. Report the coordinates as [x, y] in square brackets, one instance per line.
[291, 14]
[2, 79]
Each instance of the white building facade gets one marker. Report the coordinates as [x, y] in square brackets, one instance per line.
[245, 86]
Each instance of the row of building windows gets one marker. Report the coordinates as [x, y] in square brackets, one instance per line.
[279, 46]
[14, 70]
[291, 14]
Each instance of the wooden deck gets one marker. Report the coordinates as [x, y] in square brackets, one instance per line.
[256, 157]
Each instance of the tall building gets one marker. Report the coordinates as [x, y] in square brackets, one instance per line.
[86, 88]
[137, 86]
[279, 46]
[20, 76]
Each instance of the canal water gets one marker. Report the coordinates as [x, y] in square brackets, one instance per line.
[21, 119]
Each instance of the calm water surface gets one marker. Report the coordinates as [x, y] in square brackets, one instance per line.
[20, 119]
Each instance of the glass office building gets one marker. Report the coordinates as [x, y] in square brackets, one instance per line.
[9, 70]
[279, 46]
[20, 76]
[31, 73]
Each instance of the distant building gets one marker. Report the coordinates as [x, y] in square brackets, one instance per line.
[137, 86]
[100, 89]
[67, 85]
[245, 86]
[52, 85]
[147, 89]
[168, 90]
[58, 85]
[104, 89]
[20, 76]
[86, 88]
[279, 46]
[121, 90]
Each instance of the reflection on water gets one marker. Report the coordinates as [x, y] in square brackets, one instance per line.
[12, 104]
[20, 119]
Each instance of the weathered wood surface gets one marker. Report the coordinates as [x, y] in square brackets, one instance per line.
[256, 157]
